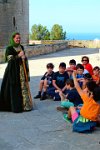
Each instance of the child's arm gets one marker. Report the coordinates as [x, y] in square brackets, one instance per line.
[77, 86]
[80, 79]
[55, 85]
[64, 88]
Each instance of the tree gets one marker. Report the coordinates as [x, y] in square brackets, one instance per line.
[57, 33]
[39, 32]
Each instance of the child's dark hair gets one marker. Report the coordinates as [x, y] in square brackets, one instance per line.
[96, 68]
[91, 85]
[87, 76]
[50, 65]
[72, 61]
[95, 89]
[62, 64]
[79, 66]
[70, 82]
[96, 94]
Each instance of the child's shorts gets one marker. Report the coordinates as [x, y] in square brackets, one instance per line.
[66, 104]
[81, 124]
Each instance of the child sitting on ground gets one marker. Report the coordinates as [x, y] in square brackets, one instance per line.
[90, 111]
[87, 78]
[72, 66]
[72, 98]
[59, 82]
[80, 75]
[96, 75]
[46, 82]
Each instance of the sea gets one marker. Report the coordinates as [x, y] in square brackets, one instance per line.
[83, 36]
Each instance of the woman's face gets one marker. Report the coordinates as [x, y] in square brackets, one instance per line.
[84, 60]
[17, 39]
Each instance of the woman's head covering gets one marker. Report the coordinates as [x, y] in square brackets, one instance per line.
[12, 42]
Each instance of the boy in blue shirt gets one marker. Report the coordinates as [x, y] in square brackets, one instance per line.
[80, 75]
[59, 81]
[72, 98]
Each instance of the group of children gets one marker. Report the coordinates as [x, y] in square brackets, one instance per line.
[78, 88]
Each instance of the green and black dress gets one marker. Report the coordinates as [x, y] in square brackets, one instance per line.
[14, 91]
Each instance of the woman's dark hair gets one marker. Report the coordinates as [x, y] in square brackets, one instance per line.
[95, 89]
[50, 65]
[16, 33]
[79, 66]
[70, 82]
[85, 58]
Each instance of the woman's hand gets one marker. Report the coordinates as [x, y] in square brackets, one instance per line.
[21, 54]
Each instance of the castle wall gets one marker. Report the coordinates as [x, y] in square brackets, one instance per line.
[14, 16]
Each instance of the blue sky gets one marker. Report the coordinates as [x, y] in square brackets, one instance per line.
[75, 16]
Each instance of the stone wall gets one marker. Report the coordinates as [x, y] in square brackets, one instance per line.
[39, 49]
[53, 46]
[45, 49]
[71, 43]
[84, 43]
[33, 42]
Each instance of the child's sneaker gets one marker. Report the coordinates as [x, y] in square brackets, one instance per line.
[62, 109]
[43, 97]
[38, 95]
[65, 116]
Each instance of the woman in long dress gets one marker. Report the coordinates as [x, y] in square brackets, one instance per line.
[15, 94]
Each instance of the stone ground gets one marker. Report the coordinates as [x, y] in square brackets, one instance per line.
[44, 127]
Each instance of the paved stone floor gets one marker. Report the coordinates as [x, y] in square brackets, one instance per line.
[44, 127]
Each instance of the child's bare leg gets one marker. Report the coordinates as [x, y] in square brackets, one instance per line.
[45, 85]
[63, 96]
[44, 89]
[41, 85]
[72, 113]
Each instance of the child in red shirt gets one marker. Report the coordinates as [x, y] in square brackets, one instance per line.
[72, 66]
